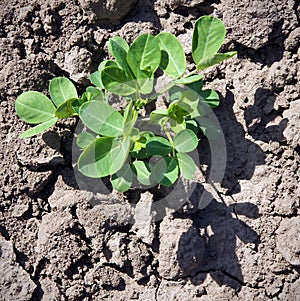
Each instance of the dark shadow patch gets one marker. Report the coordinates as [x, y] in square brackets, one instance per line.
[220, 260]
[268, 54]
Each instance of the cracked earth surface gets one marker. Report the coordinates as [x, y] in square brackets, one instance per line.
[245, 245]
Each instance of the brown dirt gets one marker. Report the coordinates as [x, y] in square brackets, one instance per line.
[54, 245]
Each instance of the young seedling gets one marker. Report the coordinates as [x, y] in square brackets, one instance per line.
[113, 144]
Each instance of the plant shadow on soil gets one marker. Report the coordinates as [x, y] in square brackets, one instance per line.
[220, 259]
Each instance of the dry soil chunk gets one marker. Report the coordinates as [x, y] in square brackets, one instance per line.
[15, 283]
[288, 240]
[110, 11]
[181, 248]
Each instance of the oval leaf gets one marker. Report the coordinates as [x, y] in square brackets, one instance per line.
[123, 178]
[214, 59]
[115, 80]
[210, 97]
[186, 165]
[208, 36]
[189, 79]
[101, 118]
[95, 79]
[38, 128]
[118, 47]
[34, 107]
[173, 61]
[144, 54]
[84, 139]
[66, 109]
[159, 116]
[104, 156]
[158, 146]
[185, 141]
[165, 171]
[142, 172]
[61, 89]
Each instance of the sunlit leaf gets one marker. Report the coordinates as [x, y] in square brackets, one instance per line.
[186, 165]
[144, 54]
[185, 141]
[61, 89]
[214, 59]
[123, 178]
[189, 79]
[173, 61]
[165, 171]
[142, 172]
[104, 156]
[101, 118]
[84, 139]
[39, 128]
[34, 107]
[208, 36]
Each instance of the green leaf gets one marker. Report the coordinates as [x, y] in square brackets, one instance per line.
[214, 59]
[120, 42]
[209, 129]
[129, 118]
[123, 178]
[185, 141]
[173, 61]
[211, 97]
[189, 79]
[34, 107]
[38, 128]
[175, 93]
[192, 125]
[61, 89]
[104, 156]
[158, 146]
[208, 36]
[140, 154]
[84, 139]
[177, 127]
[186, 165]
[107, 63]
[144, 54]
[93, 90]
[95, 79]
[115, 80]
[66, 109]
[165, 171]
[101, 118]
[77, 103]
[142, 172]
[118, 47]
[177, 112]
[159, 116]
[196, 86]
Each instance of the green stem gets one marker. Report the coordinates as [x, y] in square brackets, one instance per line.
[167, 132]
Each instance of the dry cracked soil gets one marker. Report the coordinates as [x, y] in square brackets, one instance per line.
[59, 242]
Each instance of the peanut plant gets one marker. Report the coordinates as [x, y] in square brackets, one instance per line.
[112, 143]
